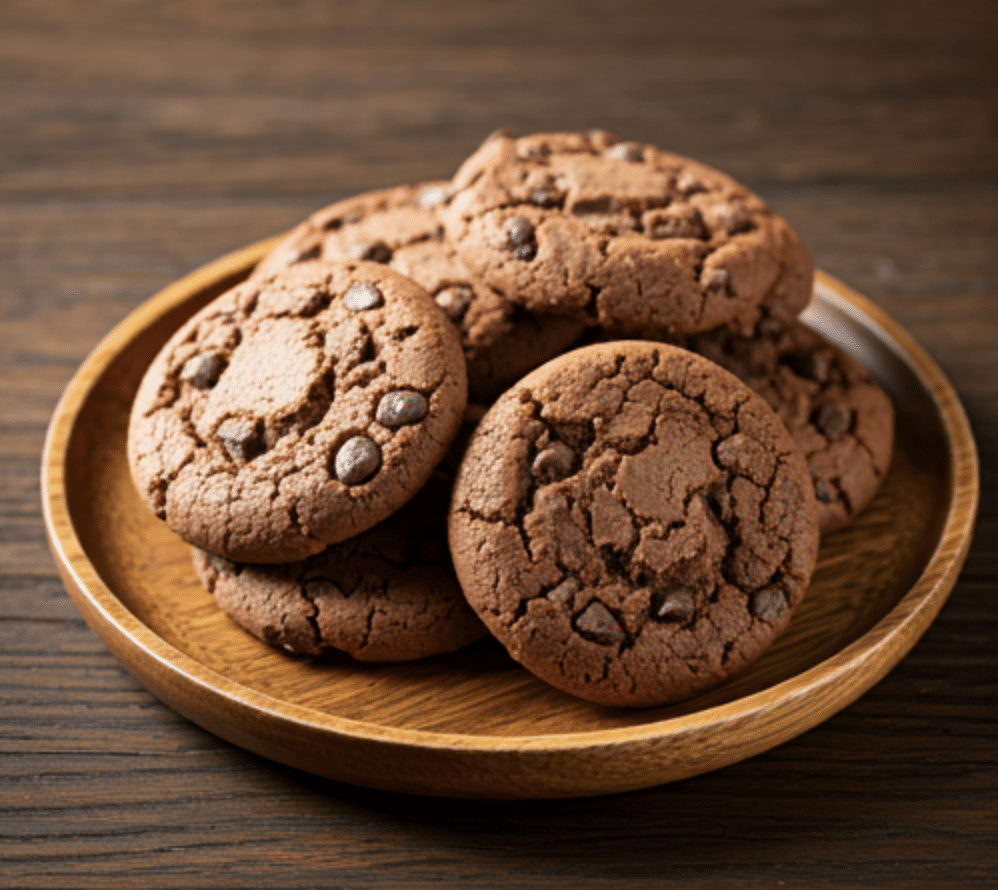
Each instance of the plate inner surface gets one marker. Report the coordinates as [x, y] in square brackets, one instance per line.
[863, 571]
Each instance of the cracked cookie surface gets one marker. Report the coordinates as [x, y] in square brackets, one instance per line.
[388, 594]
[297, 410]
[841, 420]
[633, 523]
[400, 228]
[622, 235]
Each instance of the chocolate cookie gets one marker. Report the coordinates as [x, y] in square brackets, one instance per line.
[633, 523]
[400, 227]
[838, 416]
[388, 594]
[297, 410]
[622, 235]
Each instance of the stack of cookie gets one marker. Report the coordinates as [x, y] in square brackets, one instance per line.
[635, 519]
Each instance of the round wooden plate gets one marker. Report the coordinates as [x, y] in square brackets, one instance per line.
[475, 724]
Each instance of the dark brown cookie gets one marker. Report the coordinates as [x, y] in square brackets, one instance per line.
[296, 411]
[633, 523]
[388, 594]
[619, 234]
[400, 227]
[839, 417]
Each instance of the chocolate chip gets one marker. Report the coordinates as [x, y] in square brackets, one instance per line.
[362, 295]
[818, 365]
[357, 460]
[374, 251]
[674, 606]
[240, 438]
[313, 588]
[401, 407]
[824, 492]
[554, 462]
[563, 593]
[519, 231]
[768, 604]
[520, 237]
[596, 624]
[455, 300]
[833, 419]
[202, 371]
[547, 196]
[627, 151]
[719, 278]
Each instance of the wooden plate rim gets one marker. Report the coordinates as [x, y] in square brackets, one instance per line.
[139, 647]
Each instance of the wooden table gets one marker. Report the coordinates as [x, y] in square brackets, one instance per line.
[138, 141]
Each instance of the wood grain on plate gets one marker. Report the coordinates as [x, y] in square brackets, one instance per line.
[475, 724]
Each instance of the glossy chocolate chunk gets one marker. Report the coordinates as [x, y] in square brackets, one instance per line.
[357, 460]
[362, 295]
[401, 407]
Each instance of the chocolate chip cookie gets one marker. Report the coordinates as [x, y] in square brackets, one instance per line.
[839, 417]
[633, 523]
[622, 235]
[297, 410]
[400, 228]
[388, 594]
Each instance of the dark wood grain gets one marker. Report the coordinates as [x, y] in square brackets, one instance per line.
[140, 140]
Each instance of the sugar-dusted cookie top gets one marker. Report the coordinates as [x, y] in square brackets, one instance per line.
[400, 228]
[623, 235]
[297, 410]
[387, 594]
[633, 523]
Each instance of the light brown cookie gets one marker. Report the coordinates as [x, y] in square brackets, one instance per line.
[399, 227]
[839, 417]
[296, 411]
[622, 235]
[388, 594]
[633, 523]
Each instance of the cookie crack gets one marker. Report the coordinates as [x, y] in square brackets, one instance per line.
[861, 442]
[591, 309]
[319, 398]
[249, 307]
[841, 494]
[295, 519]
[312, 616]
[369, 621]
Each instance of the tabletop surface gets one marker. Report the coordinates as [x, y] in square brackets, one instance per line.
[139, 141]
